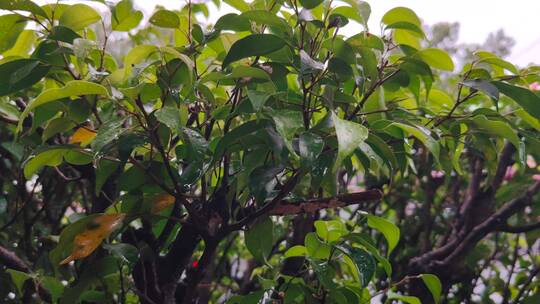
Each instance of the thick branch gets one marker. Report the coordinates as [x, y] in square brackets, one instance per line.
[311, 206]
[505, 160]
[287, 187]
[11, 260]
[492, 223]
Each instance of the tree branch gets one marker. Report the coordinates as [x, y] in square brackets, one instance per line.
[505, 160]
[287, 187]
[492, 223]
[311, 206]
[520, 229]
[11, 260]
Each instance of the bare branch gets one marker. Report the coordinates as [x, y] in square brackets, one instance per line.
[11, 260]
[505, 160]
[520, 229]
[311, 206]
[492, 223]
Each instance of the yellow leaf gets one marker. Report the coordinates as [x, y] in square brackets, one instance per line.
[83, 136]
[161, 202]
[87, 241]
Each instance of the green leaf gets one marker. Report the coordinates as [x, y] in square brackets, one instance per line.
[413, 28]
[529, 119]
[422, 135]
[288, 122]
[259, 239]
[11, 26]
[263, 17]
[497, 128]
[434, 285]
[124, 18]
[165, 18]
[96, 272]
[310, 145]
[436, 58]
[341, 49]
[197, 143]
[243, 71]
[485, 86]
[54, 286]
[79, 16]
[57, 125]
[383, 150]
[23, 5]
[107, 133]
[137, 55]
[253, 45]
[262, 181]
[401, 14]
[170, 116]
[257, 99]
[232, 137]
[341, 14]
[404, 37]
[494, 60]
[232, 22]
[18, 278]
[64, 34]
[72, 88]
[388, 229]
[365, 242]
[240, 5]
[126, 252]
[404, 299]
[368, 40]
[297, 250]
[349, 135]
[105, 168]
[315, 247]
[21, 74]
[23, 45]
[330, 231]
[325, 273]
[309, 4]
[76, 157]
[362, 8]
[363, 261]
[529, 101]
[51, 157]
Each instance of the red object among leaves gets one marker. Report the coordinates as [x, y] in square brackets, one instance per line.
[195, 264]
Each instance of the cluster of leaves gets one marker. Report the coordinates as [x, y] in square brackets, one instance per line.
[174, 172]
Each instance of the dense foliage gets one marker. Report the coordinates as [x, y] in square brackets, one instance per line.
[266, 157]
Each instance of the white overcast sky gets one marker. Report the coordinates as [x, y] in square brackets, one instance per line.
[519, 18]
